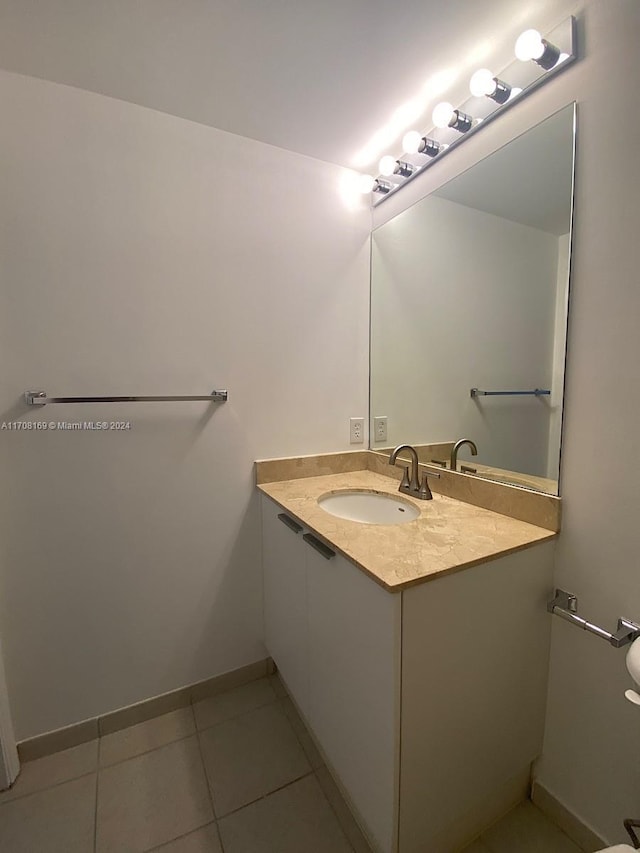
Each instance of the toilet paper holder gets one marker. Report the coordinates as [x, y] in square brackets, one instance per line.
[629, 825]
[565, 605]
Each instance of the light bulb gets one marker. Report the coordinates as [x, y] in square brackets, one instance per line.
[529, 46]
[366, 183]
[442, 114]
[387, 165]
[482, 83]
[411, 142]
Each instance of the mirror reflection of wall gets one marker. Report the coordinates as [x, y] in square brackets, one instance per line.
[469, 290]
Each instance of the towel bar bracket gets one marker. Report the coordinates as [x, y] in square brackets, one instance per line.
[565, 605]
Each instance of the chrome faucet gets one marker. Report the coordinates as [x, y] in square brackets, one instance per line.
[411, 487]
[456, 448]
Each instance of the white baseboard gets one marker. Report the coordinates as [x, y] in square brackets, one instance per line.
[577, 830]
[113, 721]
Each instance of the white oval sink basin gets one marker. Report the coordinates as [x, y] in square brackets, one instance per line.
[368, 507]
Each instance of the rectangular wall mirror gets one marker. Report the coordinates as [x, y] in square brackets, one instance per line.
[469, 290]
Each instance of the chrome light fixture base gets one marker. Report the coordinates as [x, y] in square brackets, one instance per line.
[513, 82]
[502, 92]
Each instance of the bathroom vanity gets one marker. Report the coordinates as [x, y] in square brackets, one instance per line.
[417, 653]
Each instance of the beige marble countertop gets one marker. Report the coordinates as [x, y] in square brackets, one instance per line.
[449, 535]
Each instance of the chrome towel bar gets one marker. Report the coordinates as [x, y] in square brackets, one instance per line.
[537, 392]
[565, 605]
[39, 398]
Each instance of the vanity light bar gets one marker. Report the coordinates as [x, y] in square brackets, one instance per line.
[538, 59]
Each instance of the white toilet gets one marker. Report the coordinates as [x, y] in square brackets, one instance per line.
[619, 848]
[633, 665]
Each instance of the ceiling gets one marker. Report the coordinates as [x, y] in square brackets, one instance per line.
[319, 77]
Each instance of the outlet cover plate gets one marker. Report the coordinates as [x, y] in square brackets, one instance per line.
[380, 428]
[356, 430]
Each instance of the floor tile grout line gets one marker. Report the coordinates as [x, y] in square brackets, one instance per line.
[220, 842]
[207, 778]
[146, 752]
[158, 847]
[199, 732]
[15, 799]
[314, 770]
[193, 717]
[237, 716]
[265, 796]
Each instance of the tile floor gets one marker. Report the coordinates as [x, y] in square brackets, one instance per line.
[524, 830]
[235, 773]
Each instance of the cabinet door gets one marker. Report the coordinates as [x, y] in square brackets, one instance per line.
[285, 600]
[475, 658]
[354, 702]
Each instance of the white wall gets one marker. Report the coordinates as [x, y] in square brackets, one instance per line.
[146, 254]
[451, 311]
[592, 744]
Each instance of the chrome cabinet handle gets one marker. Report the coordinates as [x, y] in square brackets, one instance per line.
[290, 523]
[320, 547]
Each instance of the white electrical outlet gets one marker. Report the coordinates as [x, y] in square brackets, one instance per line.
[356, 430]
[380, 428]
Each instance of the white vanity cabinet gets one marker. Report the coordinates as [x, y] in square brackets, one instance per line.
[354, 686]
[427, 703]
[334, 635]
[285, 599]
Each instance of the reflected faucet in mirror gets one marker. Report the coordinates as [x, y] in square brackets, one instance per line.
[411, 487]
[456, 447]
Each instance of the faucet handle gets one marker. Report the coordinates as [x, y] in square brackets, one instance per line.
[425, 491]
[405, 477]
